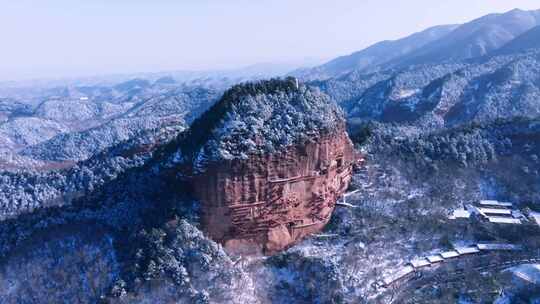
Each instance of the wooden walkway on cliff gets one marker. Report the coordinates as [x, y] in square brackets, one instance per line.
[292, 179]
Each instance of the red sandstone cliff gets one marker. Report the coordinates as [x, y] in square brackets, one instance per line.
[268, 202]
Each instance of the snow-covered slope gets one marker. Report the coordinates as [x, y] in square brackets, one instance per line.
[82, 121]
[442, 95]
[529, 40]
[25, 131]
[80, 113]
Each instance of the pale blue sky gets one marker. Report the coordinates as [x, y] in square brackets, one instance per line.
[57, 38]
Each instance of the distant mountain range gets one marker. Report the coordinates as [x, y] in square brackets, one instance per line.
[377, 54]
[445, 43]
[447, 75]
[217, 77]
[58, 127]
[474, 39]
[481, 71]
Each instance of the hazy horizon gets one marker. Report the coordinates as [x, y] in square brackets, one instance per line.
[78, 38]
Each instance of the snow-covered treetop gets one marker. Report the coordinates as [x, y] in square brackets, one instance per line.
[257, 118]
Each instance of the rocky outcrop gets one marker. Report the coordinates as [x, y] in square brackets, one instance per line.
[268, 202]
[264, 179]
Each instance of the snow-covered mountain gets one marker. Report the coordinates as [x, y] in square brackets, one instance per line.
[442, 95]
[474, 39]
[481, 71]
[527, 41]
[439, 44]
[376, 54]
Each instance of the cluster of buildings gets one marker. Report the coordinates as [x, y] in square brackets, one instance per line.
[491, 211]
[487, 211]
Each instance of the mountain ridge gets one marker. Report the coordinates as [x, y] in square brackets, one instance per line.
[474, 39]
[378, 53]
[437, 44]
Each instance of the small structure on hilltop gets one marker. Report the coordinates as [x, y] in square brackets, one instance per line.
[296, 83]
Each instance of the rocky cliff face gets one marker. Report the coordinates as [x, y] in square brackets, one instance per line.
[268, 202]
[264, 196]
